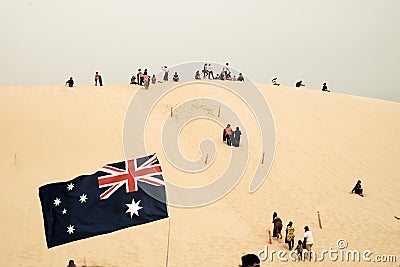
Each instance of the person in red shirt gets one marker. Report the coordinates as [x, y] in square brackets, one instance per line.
[96, 78]
[228, 134]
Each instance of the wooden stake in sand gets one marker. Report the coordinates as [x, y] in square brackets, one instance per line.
[262, 161]
[219, 111]
[319, 220]
[205, 161]
[269, 236]
[171, 112]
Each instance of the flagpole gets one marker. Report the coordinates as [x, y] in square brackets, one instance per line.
[169, 231]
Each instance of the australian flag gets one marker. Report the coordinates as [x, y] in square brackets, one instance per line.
[118, 196]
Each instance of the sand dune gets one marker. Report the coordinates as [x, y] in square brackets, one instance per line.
[324, 143]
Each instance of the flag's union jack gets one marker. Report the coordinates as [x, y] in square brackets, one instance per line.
[133, 172]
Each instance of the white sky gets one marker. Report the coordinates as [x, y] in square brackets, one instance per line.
[353, 45]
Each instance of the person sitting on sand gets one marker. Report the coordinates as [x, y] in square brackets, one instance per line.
[70, 82]
[299, 84]
[357, 189]
[325, 88]
[197, 75]
[175, 78]
[277, 226]
[153, 79]
[275, 81]
[221, 76]
[133, 80]
[240, 78]
[250, 260]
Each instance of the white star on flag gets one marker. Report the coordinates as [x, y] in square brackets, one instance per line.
[57, 202]
[83, 198]
[70, 186]
[133, 208]
[70, 229]
[64, 211]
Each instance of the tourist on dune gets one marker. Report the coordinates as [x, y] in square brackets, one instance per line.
[236, 137]
[70, 82]
[357, 189]
[325, 88]
[175, 78]
[290, 235]
[228, 134]
[308, 240]
[275, 82]
[299, 84]
[166, 71]
[277, 226]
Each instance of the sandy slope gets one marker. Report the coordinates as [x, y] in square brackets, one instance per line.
[325, 142]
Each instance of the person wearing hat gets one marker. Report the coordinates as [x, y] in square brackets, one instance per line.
[358, 189]
[250, 260]
[308, 240]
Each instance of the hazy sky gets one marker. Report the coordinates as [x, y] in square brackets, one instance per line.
[353, 45]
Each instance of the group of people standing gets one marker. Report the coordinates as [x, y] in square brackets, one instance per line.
[306, 243]
[231, 137]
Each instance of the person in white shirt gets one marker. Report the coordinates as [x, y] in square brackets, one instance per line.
[308, 240]
[166, 70]
[226, 71]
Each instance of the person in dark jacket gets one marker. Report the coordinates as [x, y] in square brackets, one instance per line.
[358, 189]
[70, 82]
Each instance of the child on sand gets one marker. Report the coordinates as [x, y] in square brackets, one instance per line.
[197, 75]
[299, 250]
